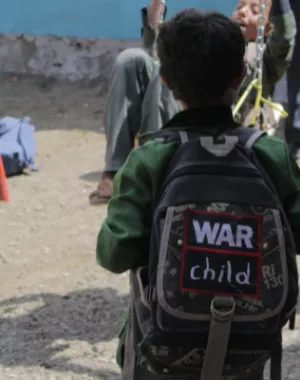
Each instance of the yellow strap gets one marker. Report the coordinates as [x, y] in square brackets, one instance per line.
[244, 96]
[284, 114]
[258, 87]
[257, 84]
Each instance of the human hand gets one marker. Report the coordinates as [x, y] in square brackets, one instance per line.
[155, 11]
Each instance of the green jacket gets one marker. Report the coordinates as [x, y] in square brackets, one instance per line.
[123, 241]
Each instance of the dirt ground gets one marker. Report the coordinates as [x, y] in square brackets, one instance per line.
[60, 312]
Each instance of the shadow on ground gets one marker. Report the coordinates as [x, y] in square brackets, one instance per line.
[34, 329]
[91, 176]
[37, 330]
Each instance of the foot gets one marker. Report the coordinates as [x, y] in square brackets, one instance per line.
[103, 192]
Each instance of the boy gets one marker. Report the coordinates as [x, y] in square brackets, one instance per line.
[139, 102]
[190, 48]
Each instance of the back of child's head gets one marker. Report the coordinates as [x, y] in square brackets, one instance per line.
[201, 56]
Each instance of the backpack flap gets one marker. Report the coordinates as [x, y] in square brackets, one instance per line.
[17, 144]
[218, 280]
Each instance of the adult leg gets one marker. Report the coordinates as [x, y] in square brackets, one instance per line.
[159, 105]
[128, 82]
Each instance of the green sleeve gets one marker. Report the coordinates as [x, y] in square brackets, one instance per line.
[279, 49]
[278, 162]
[123, 241]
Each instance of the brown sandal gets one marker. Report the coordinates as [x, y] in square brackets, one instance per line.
[103, 192]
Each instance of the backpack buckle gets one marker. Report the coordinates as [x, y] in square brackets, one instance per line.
[219, 148]
[222, 308]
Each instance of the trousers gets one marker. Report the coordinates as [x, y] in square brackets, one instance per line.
[137, 102]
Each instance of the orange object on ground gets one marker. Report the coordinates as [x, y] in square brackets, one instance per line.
[4, 196]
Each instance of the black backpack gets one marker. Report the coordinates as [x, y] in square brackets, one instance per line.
[222, 279]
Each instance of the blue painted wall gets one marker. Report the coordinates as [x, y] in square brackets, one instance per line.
[87, 18]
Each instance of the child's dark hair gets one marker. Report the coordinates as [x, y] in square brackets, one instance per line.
[201, 54]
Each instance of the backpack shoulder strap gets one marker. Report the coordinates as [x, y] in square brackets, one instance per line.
[167, 135]
[247, 135]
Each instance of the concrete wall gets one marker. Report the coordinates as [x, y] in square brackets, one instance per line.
[73, 59]
[75, 39]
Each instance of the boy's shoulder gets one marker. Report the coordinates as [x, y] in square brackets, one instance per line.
[154, 156]
[272, 139]
[273, 154]
[277, 160]
[150, 158]
[272, 146]
[155, 146]
[157, 150]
